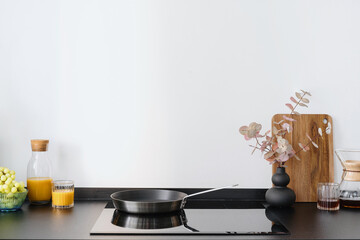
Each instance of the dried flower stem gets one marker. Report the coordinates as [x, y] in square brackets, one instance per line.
[254, 147]
[307, 144]
[297, 104]
[276, 148]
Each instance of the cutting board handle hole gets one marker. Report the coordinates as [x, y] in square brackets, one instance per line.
[325, 121]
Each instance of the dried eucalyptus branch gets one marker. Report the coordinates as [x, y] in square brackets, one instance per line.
[276, 148]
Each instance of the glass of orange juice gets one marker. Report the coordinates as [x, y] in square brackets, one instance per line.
[63, 194]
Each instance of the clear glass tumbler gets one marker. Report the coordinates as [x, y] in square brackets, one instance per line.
[63, 194]
[328, 196]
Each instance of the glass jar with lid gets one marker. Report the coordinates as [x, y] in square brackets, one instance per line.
[39, 173]
[350, 182]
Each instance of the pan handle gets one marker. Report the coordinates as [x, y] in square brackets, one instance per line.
[210, 190]
[203, 192]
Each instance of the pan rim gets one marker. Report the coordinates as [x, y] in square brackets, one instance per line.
[129, 201]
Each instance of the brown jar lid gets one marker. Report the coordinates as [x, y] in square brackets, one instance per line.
[39, 145]
[352, 165]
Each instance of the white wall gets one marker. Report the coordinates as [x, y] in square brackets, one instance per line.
[152, 93]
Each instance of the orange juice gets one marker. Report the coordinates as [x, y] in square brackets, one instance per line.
[39, 189]
[63, 198]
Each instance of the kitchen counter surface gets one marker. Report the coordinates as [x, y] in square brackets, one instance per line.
[303, 220]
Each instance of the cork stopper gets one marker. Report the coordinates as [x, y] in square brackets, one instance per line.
[39, 145]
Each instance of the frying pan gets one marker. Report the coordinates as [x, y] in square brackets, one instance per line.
[153, 200]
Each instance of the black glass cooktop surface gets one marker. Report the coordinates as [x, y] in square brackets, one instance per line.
[215, 219]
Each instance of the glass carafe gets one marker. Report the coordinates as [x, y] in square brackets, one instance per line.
[39, 173]
[350, 182]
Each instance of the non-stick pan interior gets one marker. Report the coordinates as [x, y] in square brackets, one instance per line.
[148, 195]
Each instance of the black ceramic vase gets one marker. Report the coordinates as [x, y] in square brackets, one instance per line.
[280, 195]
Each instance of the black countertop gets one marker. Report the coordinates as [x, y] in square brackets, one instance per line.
[303, 220]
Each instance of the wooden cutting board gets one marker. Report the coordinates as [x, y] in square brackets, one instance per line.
[317, 164]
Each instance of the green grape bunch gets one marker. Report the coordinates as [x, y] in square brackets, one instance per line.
[8, 184]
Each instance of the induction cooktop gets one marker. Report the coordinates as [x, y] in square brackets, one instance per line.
[243, 219]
